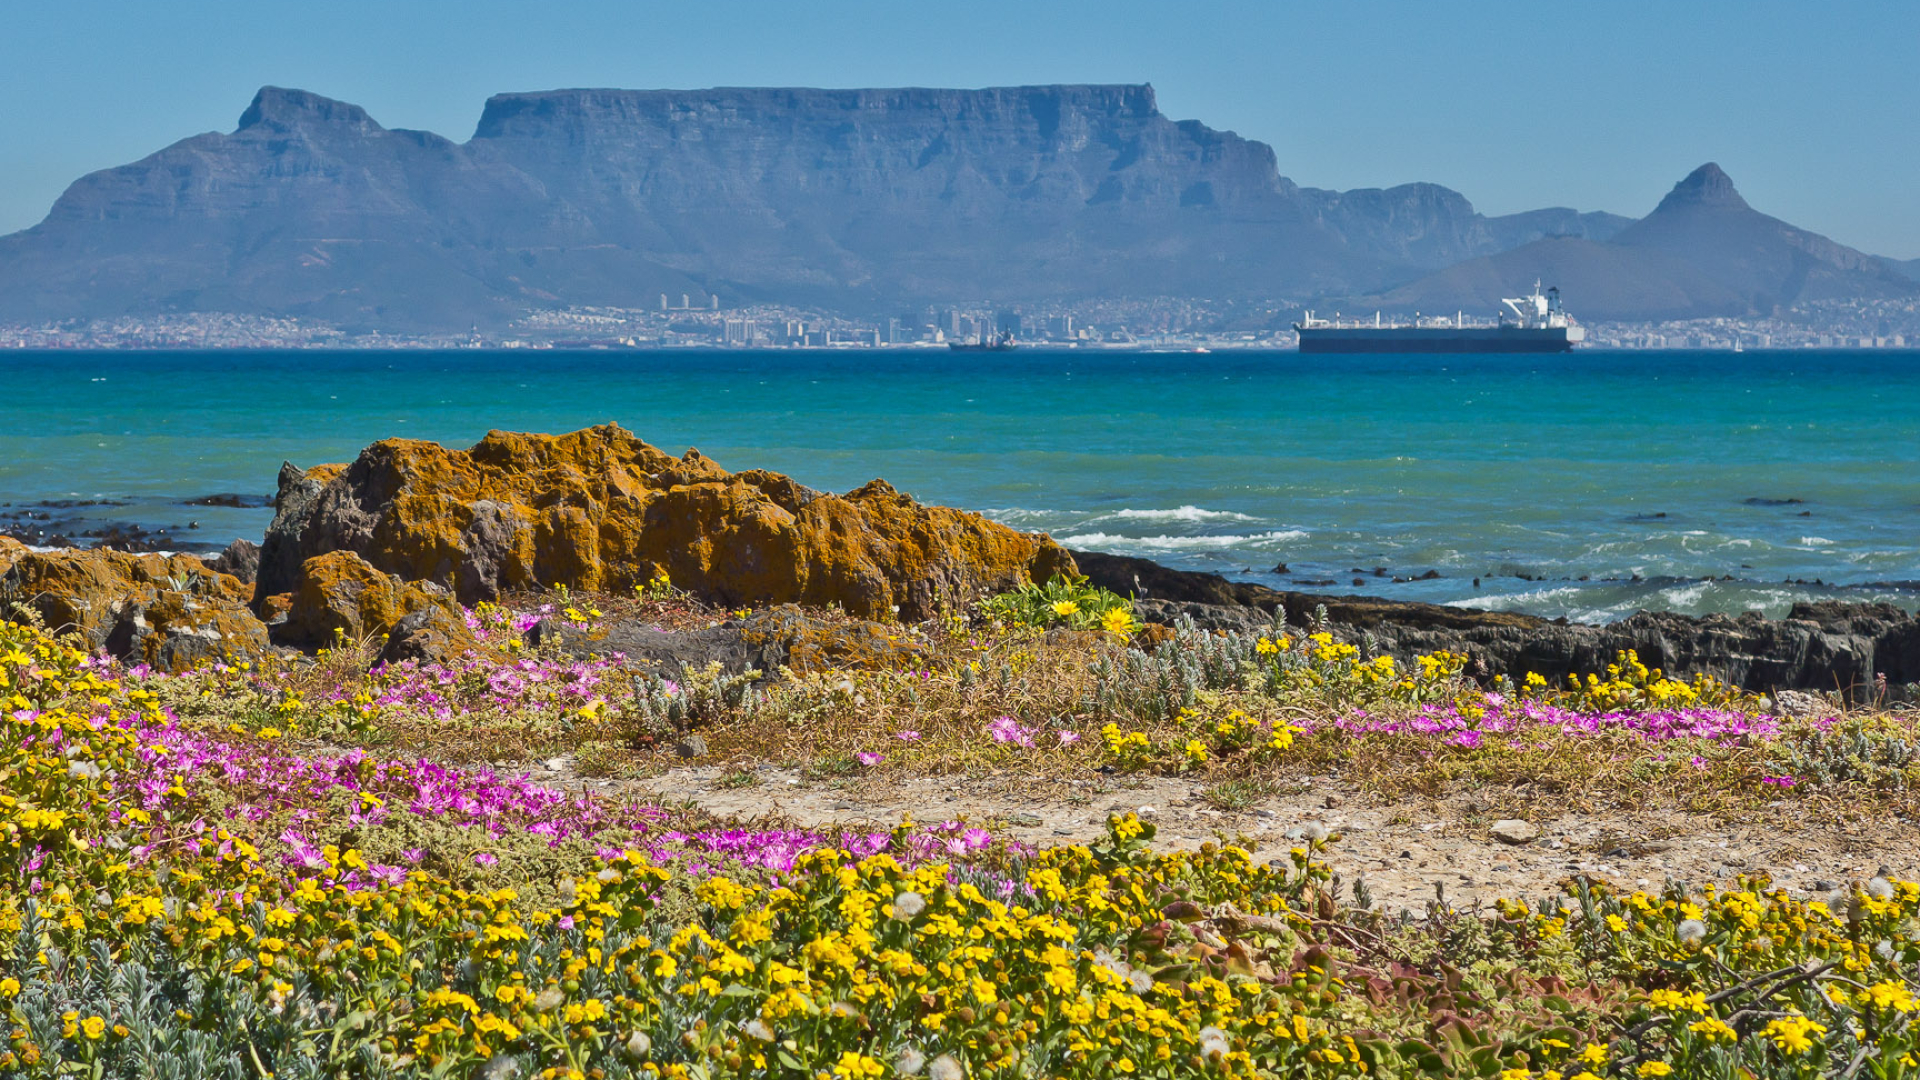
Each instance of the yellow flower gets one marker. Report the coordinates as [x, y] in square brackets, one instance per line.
[1064, 608]
[1654, 1068]
[1117, 621]
[9, 987]
[1594, 1054]
[93, 1027]
[856, 1066]
[1791, 1033]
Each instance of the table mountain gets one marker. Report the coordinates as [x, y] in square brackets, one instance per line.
[846, 198]
[311, 208]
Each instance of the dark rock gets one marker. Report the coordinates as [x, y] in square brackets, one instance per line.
[1822, 646]
[241, 559]
[429, 635]
[764, 641]
[232, 499]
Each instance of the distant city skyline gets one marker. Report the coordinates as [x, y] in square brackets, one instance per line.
[1516, 106]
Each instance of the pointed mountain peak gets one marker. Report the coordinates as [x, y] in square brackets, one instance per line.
[282, 110]
[1708, 185]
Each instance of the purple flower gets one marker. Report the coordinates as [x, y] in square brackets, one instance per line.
[486, 858]
[868, 757]
[1006, 729]
[907, 736]
[1068, 738]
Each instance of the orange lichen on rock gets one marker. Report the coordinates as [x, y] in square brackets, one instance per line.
[340, 599]
[170, 611]
[599, 509]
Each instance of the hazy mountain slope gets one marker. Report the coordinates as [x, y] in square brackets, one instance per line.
[612, 197]
[1702, 252]
[841, 197]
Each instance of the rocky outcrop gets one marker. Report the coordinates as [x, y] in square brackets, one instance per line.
[765, 641]
[338, 599]
[601, 510]
[1824, 647]
[172, 612]
[240, 558]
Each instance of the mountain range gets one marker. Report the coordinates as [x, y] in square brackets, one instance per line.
[845, 198]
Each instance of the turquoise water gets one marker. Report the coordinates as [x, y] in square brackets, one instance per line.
[1527, 473]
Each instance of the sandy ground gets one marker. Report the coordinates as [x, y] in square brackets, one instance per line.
[1403, 852]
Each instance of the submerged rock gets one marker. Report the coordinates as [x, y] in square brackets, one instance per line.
[601, 510]
[171, 612]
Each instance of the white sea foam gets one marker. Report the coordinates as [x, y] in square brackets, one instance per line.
[1107, 541]
[1184, 513]
[1815, 541]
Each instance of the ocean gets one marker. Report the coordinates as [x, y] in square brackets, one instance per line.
[1587, 485]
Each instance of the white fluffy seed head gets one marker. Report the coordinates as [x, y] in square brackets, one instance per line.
[1213, 1043]
[549, 999]
[945, 1067]
[908, 904]
[638, 1044]
[1880, 889]
[758, 1029]
[1140, 981]
[910, 1062]
[1691, 931]
[1884, 950]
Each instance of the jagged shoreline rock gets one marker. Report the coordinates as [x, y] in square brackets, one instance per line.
[1826, 647]
[599, 509]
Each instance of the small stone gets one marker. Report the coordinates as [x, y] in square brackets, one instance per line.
[692, 746]
[557, 764]
[1147, 811]
[1025, 821]
[1331, 802]
[1514, 831]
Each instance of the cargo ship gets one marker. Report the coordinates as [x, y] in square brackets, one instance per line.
[1537, 325]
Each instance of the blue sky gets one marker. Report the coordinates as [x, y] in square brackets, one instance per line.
[1813, 108]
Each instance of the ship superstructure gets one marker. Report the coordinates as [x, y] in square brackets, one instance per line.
[1530, 324]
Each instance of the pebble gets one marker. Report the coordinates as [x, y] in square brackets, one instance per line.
[1514, 831]
[692, 746]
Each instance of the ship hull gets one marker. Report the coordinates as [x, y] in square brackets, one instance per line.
[1508, 339]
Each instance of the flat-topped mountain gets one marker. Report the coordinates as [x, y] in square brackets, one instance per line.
[841, 197]
[309, 207]
[1702, 252]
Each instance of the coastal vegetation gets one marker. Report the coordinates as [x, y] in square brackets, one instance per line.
[422, 807]
[280, 865]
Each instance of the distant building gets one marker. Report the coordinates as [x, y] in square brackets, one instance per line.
[738, 332]
[1060, 327]
[1008, 322]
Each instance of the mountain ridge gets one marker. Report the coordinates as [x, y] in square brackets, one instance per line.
[1702, 251]
[311, 208]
